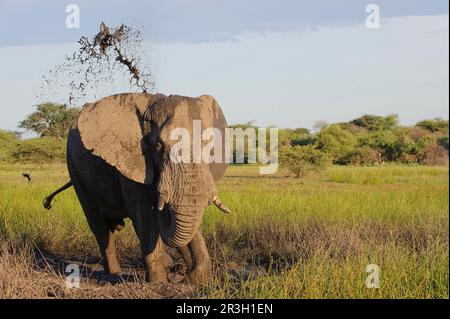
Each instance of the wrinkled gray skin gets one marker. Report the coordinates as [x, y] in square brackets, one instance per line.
[118, 161]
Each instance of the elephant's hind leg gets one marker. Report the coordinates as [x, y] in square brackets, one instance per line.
[102, 232]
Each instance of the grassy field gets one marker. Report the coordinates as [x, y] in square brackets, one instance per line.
[286, 237]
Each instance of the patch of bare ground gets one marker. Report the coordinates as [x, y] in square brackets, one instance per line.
[26, 273]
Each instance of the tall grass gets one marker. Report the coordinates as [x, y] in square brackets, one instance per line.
[285, 237]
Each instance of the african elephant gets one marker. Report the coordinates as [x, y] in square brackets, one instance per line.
[118, 158]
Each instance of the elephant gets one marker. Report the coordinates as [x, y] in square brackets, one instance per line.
[119, 163]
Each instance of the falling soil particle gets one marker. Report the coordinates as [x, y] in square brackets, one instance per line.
[111, 55]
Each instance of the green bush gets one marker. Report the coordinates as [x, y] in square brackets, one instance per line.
[301, 160]
[443, 142]
[436, 125]
[298, 136]
[434, 155]
[362, 156]
[393, 145]
[8, 143]
[336, 142]
[374, 122]
[38, 150]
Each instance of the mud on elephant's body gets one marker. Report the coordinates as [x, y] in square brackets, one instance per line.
[118, 157]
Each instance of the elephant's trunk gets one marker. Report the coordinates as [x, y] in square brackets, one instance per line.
[185, 191]
[178, 228]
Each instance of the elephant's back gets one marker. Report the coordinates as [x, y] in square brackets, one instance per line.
[91, 172]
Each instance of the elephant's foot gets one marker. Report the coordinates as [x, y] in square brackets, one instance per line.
[156, 277]
[111, 266]
[201, 273]
[155, 263]
[197, 259]
[156, 269]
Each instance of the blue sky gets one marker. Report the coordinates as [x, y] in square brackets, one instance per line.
[277, 62]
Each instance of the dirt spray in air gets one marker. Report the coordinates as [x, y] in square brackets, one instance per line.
[113, 59]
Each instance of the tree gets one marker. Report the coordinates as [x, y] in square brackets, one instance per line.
[301, 160]
[319, 125]
[298, 136]
[336, 142]
[434, 125]
[374, 122]
[50, 119]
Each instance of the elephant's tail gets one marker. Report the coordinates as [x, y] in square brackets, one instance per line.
[49, 198]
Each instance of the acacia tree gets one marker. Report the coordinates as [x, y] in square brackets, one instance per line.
[50, 119]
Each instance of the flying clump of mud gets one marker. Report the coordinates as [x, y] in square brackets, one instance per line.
[114, 59]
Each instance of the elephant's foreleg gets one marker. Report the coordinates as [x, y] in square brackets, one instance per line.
[152, 249]
[140, 205]
[155, 264]
[197, 258]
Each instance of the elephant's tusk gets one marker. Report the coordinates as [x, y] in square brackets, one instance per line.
[216, 201]
[161, 203]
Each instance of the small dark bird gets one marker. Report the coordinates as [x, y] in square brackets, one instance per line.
[28, 175]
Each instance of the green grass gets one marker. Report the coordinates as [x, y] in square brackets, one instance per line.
[286, 237]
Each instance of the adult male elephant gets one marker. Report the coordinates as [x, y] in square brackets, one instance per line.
[120, 164]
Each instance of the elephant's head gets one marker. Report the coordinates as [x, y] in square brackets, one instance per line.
[135, 133]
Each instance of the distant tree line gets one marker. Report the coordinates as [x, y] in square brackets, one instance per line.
[50, 122]
[367, 140]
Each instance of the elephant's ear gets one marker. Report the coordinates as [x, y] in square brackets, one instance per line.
[216, 120]
[113, 129]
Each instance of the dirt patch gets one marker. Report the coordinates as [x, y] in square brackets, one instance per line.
[27, 272]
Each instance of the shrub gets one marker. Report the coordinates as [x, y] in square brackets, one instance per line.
[435, 155]
[382, 141]
[434, 125]
[38, 150]
[421, 146]
[393, 145]
[374, 122]
[301, 160]
[443, 142]
[336, 142]
[8, 143]
[417, 132]
[403, 145]
[298, 136]
[362, 156]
